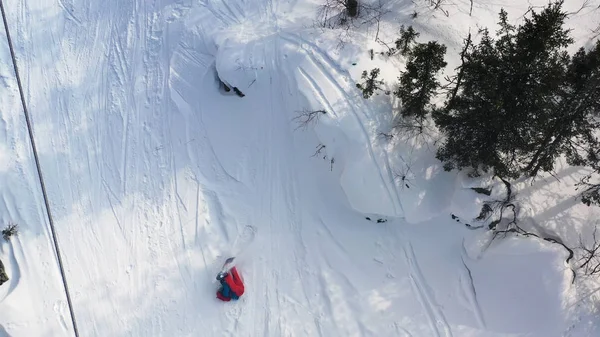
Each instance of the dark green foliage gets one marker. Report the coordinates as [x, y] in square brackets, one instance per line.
[370, 83]
[9, 231]
[455, 81]
[472, 134]
[576, 133]
[570, 118]
[419, 83]
[404, 44]
[591, 182]
[522, 101]
[406, 41]
[591, 195]
[352, 7]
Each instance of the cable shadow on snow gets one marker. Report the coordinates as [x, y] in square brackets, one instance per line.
[73, 137]
[128, 174]
[145, 187]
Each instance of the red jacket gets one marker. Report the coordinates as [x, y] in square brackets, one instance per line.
[234, 282]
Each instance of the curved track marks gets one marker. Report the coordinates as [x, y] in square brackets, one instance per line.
[324, 65]
[437, 320]
[468, 288]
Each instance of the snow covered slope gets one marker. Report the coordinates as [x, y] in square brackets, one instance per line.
[153, 170]
[32, 302]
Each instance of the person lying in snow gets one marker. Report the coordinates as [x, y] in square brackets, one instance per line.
[232, 286]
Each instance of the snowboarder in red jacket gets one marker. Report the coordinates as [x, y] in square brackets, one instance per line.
[232, 286]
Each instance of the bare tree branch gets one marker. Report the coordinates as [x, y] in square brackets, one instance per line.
[590, 256]
[505, 224]
[307, 117]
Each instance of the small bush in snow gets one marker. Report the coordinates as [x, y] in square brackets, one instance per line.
[9, 231]
[589, 254]
[370, 84]
[405, 42]
[591, 190]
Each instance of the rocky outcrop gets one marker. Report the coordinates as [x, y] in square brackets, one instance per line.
[3, 276]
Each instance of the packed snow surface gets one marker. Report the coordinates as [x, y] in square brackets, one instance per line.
[153, 170]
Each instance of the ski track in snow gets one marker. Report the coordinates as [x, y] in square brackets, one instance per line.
[276, 208]
[438, 323]
[326, 67]
[302, 268]
[468, 288]
[149, 199]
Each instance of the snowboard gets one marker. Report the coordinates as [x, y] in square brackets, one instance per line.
[238, 248]
[226, 266]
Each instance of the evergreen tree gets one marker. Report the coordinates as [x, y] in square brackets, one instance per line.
[472, 127]
[419, 83]
[407, 39]
[455, 81]
[507, 95]
[352, 7]
[404, 43]
[591, 195]
[582, 146]
[591, 192]
[573, 123]
[370, 84]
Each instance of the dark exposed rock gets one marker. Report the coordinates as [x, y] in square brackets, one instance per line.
[3, 276]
